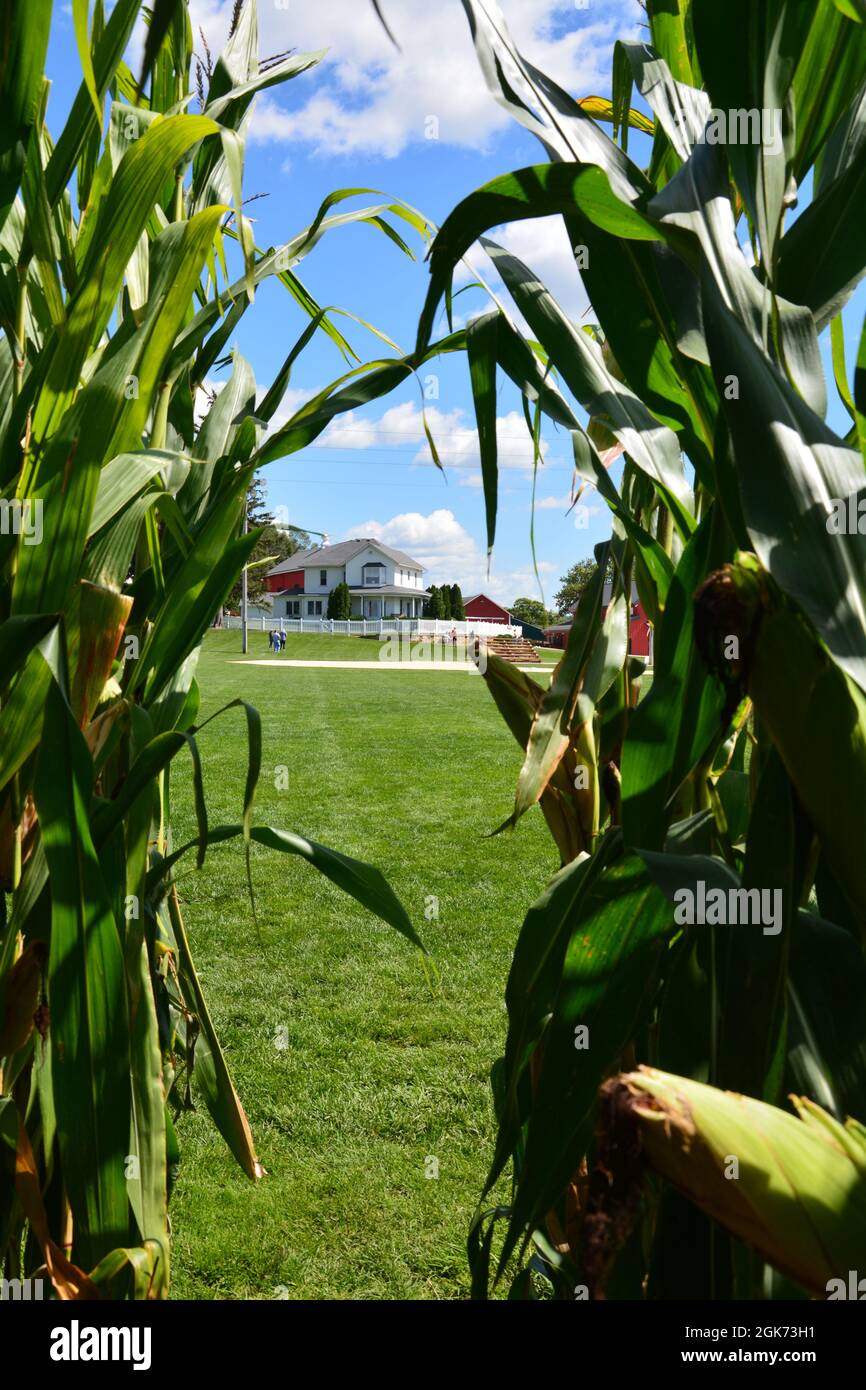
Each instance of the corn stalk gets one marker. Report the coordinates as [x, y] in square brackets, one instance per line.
[126, 262]
[740, 777]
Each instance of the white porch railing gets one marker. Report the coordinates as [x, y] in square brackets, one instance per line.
[378, 627]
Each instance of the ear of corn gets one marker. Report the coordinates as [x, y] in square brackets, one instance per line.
[791, 1186]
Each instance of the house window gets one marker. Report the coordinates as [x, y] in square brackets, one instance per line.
[293, 608]
[373, 573]
[323, 578]
[314, 607]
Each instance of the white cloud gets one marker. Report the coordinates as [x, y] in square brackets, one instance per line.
[450, 554]
[542, 244]
[553, 504]
[378, 100]
[453, 431]
[438, 541]
[400, 425]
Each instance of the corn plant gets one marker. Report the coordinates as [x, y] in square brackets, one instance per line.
[126, 263]
[708, 919]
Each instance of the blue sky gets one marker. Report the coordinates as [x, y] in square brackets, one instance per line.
[363, 117]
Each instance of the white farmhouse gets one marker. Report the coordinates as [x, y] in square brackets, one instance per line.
[383, 583]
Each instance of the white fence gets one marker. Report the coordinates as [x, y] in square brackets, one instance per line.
[380, 627]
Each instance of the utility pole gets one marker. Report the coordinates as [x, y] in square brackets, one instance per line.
[244, 592]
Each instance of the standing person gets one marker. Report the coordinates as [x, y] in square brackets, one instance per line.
[282, 641]
[454, 637]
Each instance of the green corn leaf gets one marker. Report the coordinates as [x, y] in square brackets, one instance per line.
[210, 1068]
[540, 191]
[107, 419]
[81, 21]
[86, 995]
[84, 116]
[205, 577]
[651, 446]
[826, 1015]
[556, 119]
[790, 469]
[831, 67]
[533, 981]
[125, 476]
[481, 337]
[679, 721]
[381, 377]
[163, 14]
[24, 31]
[608, 982]
[670, 27]
[361, 881]
[122, 218]
[821, 258]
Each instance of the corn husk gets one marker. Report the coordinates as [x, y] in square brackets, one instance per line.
[797, 1190]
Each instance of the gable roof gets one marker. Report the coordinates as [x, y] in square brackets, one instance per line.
[343, 551]
[294, 562]
[495, 602]
[335, 556]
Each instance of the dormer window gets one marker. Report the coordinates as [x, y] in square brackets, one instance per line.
[374, 573]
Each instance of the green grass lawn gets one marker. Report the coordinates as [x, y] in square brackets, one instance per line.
[386, 1067]
[300, 646]
[313, 646]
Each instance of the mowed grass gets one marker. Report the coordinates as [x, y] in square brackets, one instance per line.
[300, 646]
[313, 646]
[378, 1080]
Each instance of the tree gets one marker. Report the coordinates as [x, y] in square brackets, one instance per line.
[340, 603]
[532, 610]
[458, 612]
[445, 600]
[276, 543]
[572, 586]
[433, 606]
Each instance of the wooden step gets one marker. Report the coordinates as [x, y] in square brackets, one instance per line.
[514, 649]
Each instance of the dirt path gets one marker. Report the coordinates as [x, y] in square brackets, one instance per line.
[466, 667]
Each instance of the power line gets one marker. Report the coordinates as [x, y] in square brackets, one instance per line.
[360, 482]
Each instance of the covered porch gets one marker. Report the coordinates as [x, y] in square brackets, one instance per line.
[388, 603]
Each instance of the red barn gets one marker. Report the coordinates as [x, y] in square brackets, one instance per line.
[486, 609]
[640, 632]
[287, 575]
